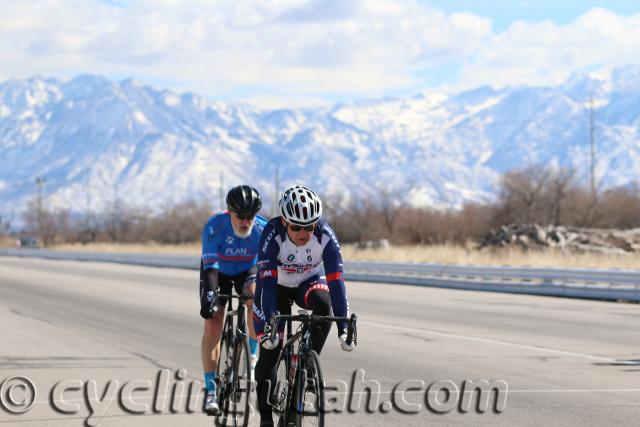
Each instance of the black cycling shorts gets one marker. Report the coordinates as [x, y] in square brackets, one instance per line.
[212, 279]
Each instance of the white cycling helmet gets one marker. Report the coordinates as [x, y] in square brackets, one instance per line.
[300, 205]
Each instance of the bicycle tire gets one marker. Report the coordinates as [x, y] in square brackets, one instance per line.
[238, 411]
[311, 412]
[281, 392]
[225, 372]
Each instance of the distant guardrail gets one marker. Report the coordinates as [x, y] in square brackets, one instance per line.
[569, 282]
[566, 282]
[151, 260]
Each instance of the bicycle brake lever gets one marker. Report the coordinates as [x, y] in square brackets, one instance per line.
[274, 327]
[352, 334]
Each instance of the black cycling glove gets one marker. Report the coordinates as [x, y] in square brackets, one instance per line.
[208, 296]
[207, 304]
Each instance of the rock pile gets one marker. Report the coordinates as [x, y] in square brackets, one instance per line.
[583, 240]
[373, 244]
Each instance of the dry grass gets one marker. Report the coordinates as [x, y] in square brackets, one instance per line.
[149, 248]
[450, 254]
[443, 254]
[7, 242]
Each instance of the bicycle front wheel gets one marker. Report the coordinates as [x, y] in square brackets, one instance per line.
[311, 396]
[225, 372]
[237, 410]
[280, 392]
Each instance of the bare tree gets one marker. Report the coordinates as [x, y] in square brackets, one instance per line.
[622, 207]
[5, 226]
[123, 223]
[388, 212]
[181, 223]
[50, 226]
[521, 194]
[559, 185]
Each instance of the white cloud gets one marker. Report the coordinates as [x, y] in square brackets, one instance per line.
[273, 102]
[546, 53]
[297, 48]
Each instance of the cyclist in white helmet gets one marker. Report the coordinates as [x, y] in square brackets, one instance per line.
[293, 249]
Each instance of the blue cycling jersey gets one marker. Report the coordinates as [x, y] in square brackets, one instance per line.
[226, 252]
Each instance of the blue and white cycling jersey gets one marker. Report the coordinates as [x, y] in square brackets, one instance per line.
[226, 252]
[281, 262]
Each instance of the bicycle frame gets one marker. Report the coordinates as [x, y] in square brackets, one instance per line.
[241, 327]
[295, 381]
[303, 330]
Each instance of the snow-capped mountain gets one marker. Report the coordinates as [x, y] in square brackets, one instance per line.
[96, 141]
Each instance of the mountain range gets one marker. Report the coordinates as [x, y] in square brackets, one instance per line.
[93, 141]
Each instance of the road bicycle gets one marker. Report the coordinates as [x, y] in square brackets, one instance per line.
[234, 381]
[297, 397]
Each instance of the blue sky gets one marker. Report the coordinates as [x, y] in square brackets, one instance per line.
[504, 12]
[300, 52]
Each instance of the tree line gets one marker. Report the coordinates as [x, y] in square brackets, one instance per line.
[536, 194]
[533, 195]
[119, 223]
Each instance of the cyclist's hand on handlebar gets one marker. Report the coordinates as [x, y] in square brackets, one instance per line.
[208, 305]
[266, 341]
[343, 341]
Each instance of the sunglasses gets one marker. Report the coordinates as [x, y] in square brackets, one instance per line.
[298, 228]
[243, 217]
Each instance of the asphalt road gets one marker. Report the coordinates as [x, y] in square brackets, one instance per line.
[88, 335]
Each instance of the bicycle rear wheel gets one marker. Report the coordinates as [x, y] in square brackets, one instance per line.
[311, 411]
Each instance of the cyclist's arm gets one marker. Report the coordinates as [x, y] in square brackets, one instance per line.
[266, 280]
[333, 268]
[209, 246]
[211, 279]
[208, 268]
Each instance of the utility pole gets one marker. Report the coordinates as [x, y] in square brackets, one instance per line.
[40, 183]
[88, 198]
[88, 201]
[88, 234]
[593, 149]
[590, 213]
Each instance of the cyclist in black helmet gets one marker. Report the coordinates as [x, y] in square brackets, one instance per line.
[229, 249]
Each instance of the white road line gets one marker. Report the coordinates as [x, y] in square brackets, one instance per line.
[499, 342]
[604, 390]
[112, 399]
[341, 393]
[388, 392]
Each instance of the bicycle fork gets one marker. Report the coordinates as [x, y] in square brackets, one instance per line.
[301, 372]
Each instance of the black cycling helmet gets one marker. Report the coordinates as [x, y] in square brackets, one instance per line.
[244, 200]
